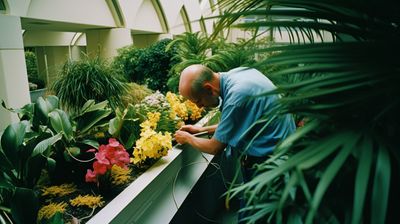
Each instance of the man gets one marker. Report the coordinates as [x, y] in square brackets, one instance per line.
[241, 107]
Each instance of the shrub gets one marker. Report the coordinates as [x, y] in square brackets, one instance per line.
[135, 93]
[32, 70]
[89, 79]
[127, 62]
[149, 66]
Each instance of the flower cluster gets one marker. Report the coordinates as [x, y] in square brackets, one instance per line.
[48, 211]
[120, 176]
[152, 144]
[108, 155]
[194, 111]
[59, 191]
[88, 201]
[184, 109]
[156, 100]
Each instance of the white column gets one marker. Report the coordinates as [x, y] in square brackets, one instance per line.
[106, 42]
[14, 89]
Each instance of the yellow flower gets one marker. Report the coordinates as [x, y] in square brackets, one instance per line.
[194, 111]
[59, 191]
[87, 200]
[120, 176]
[179, 109]
[48, 211]
[151, 144]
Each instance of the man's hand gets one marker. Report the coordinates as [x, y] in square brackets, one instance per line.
[182, 137]
[191, 129]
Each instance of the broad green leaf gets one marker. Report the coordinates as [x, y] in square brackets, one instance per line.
[60, 122]
[41, 110]
[93, 107]
[381, 185]
[52, 102]
[12, 140]
[33, 170]
[114, 126]
[92, 143]
[56, 219]
[87, 105]
[4, 183]
[91, 119]
[24, 205]
[5, 164]
[45, 144]
[51, 164]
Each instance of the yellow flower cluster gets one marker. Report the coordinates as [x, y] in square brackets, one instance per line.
[194, 111]
[87, 200]
[151, 144]
[178, 108]
[184, 109]
[120, 176]
[59, 191]
[48, 211]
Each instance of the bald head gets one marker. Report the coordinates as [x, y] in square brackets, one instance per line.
[200, 85]
[192, 79]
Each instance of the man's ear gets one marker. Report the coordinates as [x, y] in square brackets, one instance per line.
[209, 87]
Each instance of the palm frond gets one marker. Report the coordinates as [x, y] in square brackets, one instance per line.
[338, 73]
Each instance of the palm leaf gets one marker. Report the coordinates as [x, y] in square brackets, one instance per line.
[380, 191]
[344, 84]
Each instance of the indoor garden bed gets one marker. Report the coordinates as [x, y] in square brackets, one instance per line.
[98, 164]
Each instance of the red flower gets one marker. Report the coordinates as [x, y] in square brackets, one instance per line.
[108, 155]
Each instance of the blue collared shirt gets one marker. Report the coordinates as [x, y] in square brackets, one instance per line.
[240, 109]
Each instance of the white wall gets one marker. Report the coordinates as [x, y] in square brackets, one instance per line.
[50, 26]
[13, 76]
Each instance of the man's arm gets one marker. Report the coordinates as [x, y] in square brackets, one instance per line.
[211, 146]
[196, 129]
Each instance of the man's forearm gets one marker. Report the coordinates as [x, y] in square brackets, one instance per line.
[210, 129]
[210, 146]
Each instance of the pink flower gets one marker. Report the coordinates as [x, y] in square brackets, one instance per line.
[113, 142]
[108, 155]
[90, 176]
[99, 168]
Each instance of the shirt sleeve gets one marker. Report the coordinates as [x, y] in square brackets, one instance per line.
[232, 125]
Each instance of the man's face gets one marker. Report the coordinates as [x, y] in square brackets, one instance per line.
[205, 99]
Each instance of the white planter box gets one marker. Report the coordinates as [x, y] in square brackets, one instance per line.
[156, 195]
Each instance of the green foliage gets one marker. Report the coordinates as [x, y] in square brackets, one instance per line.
[149, 66]
[158, 63]
[231, 56]
[125, 126]
[195, 48]
[347, 152]
[37, 142]
[128, 62]
[191, 48]
[32, 69]
[31, 64]
[88, 79]
[135, 94]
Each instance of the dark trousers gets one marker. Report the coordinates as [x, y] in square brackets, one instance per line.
[248, 171]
